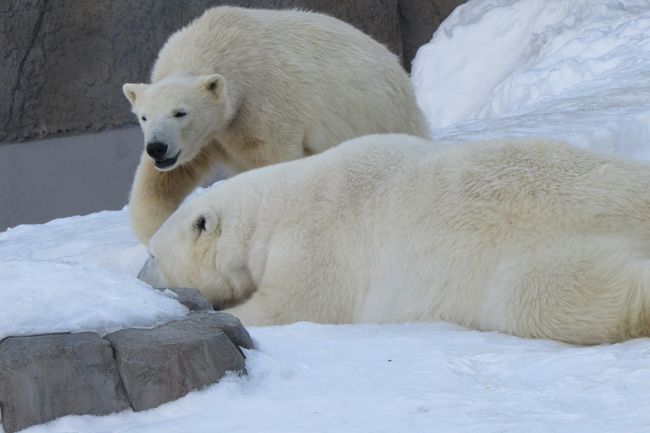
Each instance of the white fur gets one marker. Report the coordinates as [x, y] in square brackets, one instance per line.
[528, 237]
[288, 84]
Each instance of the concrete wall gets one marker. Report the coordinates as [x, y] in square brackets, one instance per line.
[64, 62]
[64, 176]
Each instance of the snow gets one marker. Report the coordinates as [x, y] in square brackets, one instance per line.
[578, 70]
[77, 274]
[406, 378]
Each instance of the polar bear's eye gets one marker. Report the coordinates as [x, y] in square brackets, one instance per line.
[144, 118]
[199, 224]
[179, 114]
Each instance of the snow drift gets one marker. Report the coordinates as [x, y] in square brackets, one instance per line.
[572, 69]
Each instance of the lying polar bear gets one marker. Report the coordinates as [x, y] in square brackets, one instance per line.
[529, 237]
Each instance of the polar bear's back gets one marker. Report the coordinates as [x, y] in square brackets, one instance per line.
[293, 63]
[474, 218]
[528, 180]
[231, 40]
[524, 190]
[523, 183]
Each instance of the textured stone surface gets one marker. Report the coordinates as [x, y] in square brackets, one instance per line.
[191, 298]
[48, 376]
[164, 363]
[418, 20]
[64, 61]
[225, 322]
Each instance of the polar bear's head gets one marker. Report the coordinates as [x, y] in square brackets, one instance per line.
[201, 246]
[179, 115]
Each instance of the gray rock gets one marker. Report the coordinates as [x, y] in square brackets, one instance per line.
[191, 298]
[165, 363]
[217, 320]
[150, 274]
[49, 376]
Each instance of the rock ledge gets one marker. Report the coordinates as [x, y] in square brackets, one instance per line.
[43, 377]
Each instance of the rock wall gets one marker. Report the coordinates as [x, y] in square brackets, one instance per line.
[418, 20]
[64, 61]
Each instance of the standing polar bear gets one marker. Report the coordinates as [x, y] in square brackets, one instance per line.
[252, 87]
[532, 238]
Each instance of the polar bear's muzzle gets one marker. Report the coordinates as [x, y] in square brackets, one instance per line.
[158, 152]
[166, 162]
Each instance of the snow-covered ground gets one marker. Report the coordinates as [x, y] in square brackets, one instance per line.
[406, 378]
[572, 69]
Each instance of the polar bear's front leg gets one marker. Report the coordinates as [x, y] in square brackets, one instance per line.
[156, 194]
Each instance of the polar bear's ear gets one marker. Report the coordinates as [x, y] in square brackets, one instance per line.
[132, 90]
[214, 83]
[206, 221]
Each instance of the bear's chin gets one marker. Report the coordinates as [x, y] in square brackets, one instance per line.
[167, 163]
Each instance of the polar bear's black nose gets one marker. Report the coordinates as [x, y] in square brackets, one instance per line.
[156, 150]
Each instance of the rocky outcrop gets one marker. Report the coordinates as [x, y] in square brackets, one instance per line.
[44, 377]
[48, 376]
[191, 298]
[162, 364]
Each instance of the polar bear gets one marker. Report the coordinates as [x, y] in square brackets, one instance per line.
[253, 87]
[528, 237]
